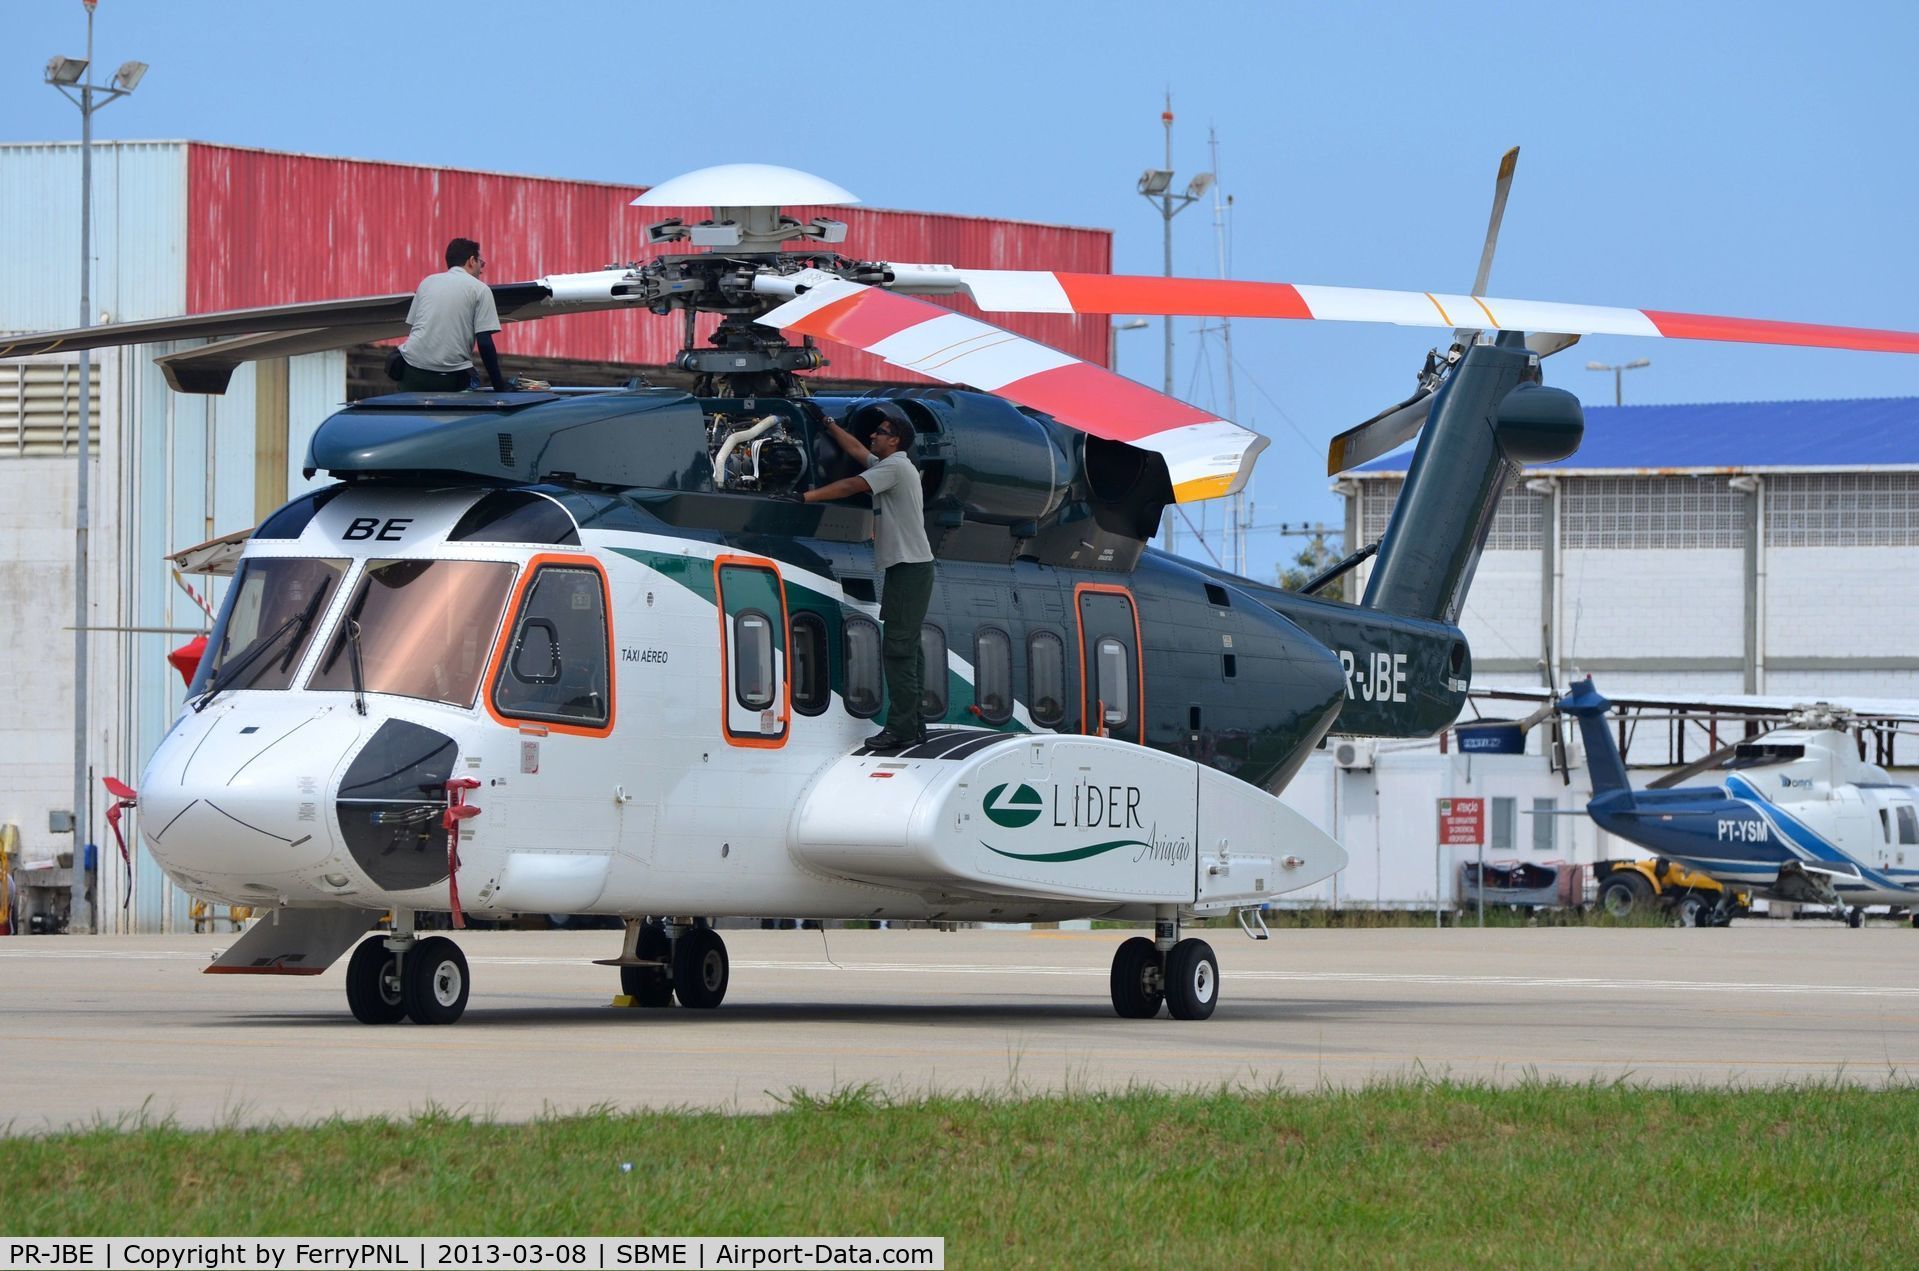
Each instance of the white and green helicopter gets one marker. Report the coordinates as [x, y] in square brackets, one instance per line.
[562, 652]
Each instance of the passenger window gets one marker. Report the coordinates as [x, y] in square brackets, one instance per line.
[556, 667]
[863, 675]
[753, 659]
[933, 688]
[812, 674]
[993, 675]
[1046, 678]
[1908, 824]
[1115, 681]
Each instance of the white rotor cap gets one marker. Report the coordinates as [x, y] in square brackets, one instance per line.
[745, 185]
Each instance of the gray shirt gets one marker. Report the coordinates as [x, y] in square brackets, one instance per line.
[448, 310]
[899, 520]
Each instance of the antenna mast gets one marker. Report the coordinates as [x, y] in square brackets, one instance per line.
[1236, 505]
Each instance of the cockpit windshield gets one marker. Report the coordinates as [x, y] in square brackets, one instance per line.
[426, 628]
[272, 608]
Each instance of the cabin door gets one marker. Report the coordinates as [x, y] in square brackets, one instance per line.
[1112, 666]
[755, 704]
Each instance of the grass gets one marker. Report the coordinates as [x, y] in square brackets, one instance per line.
[1409, 1173]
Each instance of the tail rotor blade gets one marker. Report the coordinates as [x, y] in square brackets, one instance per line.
[1382, 434]
[1501, 188]
[1547, 343]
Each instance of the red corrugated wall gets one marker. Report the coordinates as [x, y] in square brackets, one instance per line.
[267, 228]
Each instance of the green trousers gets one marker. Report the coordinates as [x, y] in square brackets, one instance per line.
[903, 604]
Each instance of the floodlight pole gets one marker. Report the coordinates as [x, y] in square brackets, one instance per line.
[1169, 205]
[80, 910]
[1619, 375]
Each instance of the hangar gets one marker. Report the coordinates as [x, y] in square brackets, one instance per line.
[188, 227]
[1729, 547]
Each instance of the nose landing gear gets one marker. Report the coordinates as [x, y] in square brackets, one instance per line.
[1184, 974]
[395, 977]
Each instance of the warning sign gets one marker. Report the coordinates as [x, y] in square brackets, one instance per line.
[1462, 822]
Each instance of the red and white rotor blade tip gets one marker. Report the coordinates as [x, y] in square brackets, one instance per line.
[1034, 291]
[1205, 456]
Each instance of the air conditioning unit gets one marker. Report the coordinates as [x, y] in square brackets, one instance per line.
[1354, 756]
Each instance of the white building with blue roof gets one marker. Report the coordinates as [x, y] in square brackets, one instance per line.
[1757, 547]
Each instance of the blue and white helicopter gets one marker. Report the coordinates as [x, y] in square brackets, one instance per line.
[1798, 814]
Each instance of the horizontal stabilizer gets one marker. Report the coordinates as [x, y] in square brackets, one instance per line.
[294, 942]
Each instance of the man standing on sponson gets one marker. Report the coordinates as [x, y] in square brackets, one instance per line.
[902, 554]
[450, 312]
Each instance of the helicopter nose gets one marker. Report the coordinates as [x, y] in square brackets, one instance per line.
[241, 793]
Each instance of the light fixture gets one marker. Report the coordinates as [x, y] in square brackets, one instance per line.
[127, 78]
[1131, 324]
[1199, 185]
[1152, 183]
[1745, 484]
[65, 71]
[1541, 485]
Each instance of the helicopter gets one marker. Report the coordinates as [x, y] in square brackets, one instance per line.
[568, 651]
[1798, 814]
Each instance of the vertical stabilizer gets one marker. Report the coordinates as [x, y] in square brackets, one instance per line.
[1489, 417]
[1603, 761]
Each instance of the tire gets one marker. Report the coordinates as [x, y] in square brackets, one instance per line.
[1624, 894]
[1192, 980]
[1691, 910]
[1856, 916]
[1135, 979]
[436, 981]
[650, 985]
[700, 968]
[373, 990]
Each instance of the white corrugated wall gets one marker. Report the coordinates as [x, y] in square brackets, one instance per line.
[171, 471]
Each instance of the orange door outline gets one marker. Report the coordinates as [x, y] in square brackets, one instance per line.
[1097, 727]
[758, 741]
[497, 667]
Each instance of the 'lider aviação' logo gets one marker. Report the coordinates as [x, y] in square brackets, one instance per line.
[1019, 808]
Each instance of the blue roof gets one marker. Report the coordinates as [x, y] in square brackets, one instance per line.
[1844, 433]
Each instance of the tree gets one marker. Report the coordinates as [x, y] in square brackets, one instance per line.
[1312, 559]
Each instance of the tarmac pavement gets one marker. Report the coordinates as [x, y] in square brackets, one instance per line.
[108, 1027]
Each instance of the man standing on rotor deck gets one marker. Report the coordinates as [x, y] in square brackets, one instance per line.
[450, 311]
[902, 554]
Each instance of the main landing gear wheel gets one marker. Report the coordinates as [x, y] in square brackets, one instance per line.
[1192, 980]
[650, 985]
[436, 981]
[700, 968]
[1856, 916]
[373, 990]
[1136, 979]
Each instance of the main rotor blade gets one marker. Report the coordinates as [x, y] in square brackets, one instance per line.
[1682, 775]
[1382, 434]
[515, 301]
[1502, 186]
[1205, 456]
[1027, 291]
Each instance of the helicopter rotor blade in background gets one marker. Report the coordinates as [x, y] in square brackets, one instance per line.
[1205, 456]
[1679, 776]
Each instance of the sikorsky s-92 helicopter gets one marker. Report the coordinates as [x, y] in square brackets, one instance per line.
[561, 652]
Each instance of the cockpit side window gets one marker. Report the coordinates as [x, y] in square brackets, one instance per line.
[556, 660]
[277, 599]
[1908, 825]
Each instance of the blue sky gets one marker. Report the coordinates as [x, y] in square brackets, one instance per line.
[1754, 159]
